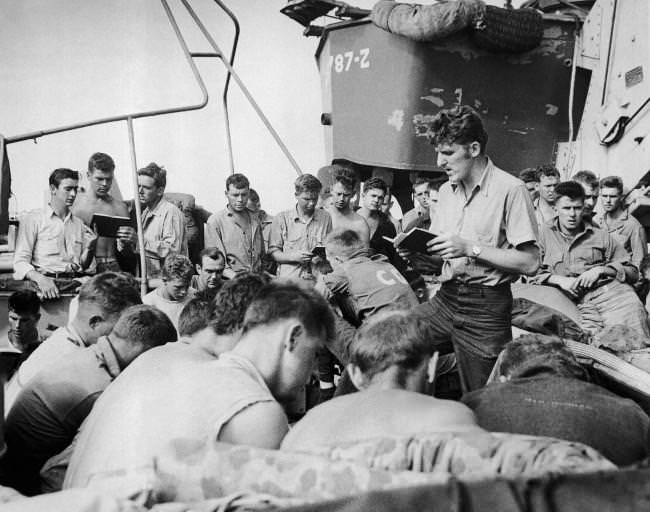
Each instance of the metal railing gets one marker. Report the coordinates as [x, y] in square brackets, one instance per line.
[130, 117]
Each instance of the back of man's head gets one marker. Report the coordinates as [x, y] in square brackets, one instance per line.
[399, 338]
[344, 244]
[230, 303]
[283, 301]
[111, 292]
[535, 354]
[139, 329]
[195, 316]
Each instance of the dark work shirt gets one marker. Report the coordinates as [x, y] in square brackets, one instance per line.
[50, 409]
[379, 245]
[565, 408]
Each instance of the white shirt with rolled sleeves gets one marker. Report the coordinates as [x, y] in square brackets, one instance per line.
[164, 234]
[49, 244]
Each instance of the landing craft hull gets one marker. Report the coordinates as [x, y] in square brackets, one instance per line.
[380, 90]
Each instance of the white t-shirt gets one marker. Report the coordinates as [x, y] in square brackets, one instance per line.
[171, 308]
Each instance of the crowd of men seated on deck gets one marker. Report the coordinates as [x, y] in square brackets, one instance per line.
[229, 333]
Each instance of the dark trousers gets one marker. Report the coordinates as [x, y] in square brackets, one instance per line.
[477, 320]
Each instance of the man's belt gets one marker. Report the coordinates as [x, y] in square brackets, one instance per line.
[63, 275]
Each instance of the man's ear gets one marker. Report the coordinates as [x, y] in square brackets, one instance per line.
[295, 332]
[475, 149]
[94, 321]
[357, 377]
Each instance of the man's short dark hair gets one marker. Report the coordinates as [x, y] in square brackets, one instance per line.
[113, 292]
[375, 183]
[231, 301]
[548, 170]
[101, 162]
[420, 179]
[612, 182]
[58, 175]
[458, 125]
[24, 302]
[344, 242]
[155, 172]
[529, 175]
[569, 189]
[346, 177]
[587, 178]
[177, 266]
[533, 354]
[145, 325]
[194, 316]
[393, 338]
[238, 181]
[253, 195]
[213, 253]
[282, 301]
[307, 183]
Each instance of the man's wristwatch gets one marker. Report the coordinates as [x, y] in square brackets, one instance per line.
[476, 251]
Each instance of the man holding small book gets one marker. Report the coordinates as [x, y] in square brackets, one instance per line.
[486, 237]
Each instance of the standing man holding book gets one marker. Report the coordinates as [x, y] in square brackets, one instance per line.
[98, 199]
[486, 236]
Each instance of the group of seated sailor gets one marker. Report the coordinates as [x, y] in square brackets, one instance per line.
[245, 309]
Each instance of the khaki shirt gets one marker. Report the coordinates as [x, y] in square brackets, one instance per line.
[243, 249]
[571, 256]
[48, 244]
[497, 213]
[628, 232]
[164, 233]
[290, 233]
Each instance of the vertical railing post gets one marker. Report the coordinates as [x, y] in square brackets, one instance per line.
[138, 210]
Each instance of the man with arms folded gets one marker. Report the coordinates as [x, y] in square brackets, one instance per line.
[236, 231]
[50, 409]
[162, 222]
[193, 397]
[542, 390]
[53, 246]
[101, 301]
[487, 238]
[296, 232]
[98, 199]
[343, 216]
[616, 220]
[390, 362]
[592, 268]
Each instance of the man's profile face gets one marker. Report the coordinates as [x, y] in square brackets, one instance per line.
[421, 195]
[237, 197]
[341, 195]
[591, 196]
[211, 271]
[21, 326]
[533, 189]
[457, 160]
[569, 212]
[373, 199]
[547, 186]
[307, 202]
[65, 193]
[148, 192]
[387, 204]
[610, 198]
[100, 181]
[253, 205]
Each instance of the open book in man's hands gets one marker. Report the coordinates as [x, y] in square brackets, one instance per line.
[414, 240]
[109, 225]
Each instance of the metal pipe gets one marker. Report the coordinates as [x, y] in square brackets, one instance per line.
[138, 210]
[243, 88]
[226, 87]
[134, 115]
